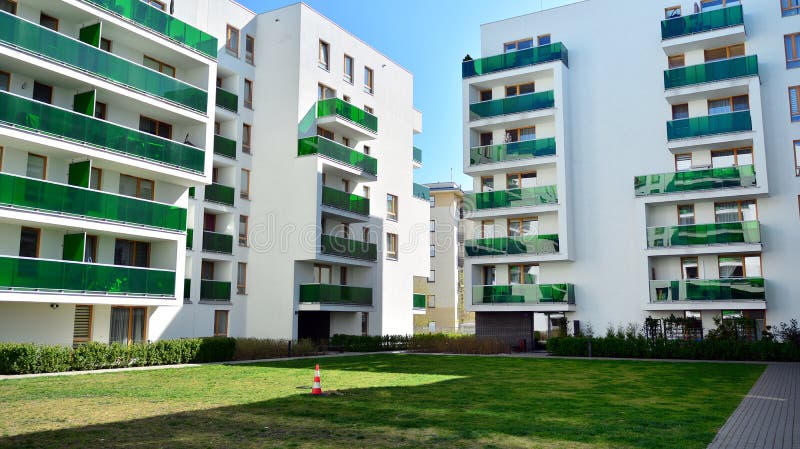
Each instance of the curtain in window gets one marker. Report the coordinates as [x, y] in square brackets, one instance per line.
[730, 267]
[138, 323]
[527, 134]
[726, 212]
[119, 325]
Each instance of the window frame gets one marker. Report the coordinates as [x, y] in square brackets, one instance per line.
[680, 155]
[44, 14]
[668, 9]
[539, 39]
[787, 10]
[247, 130]
[108, 42]
[392, 246]
[674, 106]
[218, 317]
[431, 279]
[348, 77]
[88, 338]
[99, 172]
[242, 193]
[248, 99]
[727, 49]
[134, 251]
[246, 222]
[731, 104]
[392, 207]
[670, 59]
[430, 301]
[369, 81]
[38, 232]
[792, 39]
[98, 105]
[139, 186]
[324, 62]
[738, 206]
[683, 270]
[795, 147]
[794, 116]
[521, 221]
[250, 56]
[158, 126]
[161, 66]
[8, 84]
[516, 44]
[233, 51]
[744, 265]
[130, 322]
[15, 4]
[44, 166]
[241, 267]
[736, 152]
[517, 89]
[678, 213]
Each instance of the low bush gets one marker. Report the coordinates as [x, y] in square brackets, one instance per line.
[215, 349]
[256, 348]
[369, 343]
[457, 344]
[25, 358]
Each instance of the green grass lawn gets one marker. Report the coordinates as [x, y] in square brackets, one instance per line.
[399, 401]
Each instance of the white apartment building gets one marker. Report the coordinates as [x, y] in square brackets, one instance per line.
[629, 179]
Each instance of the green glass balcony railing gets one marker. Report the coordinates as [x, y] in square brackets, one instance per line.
[686, 181]
[704, 234]
[511, 105]
[35, 194]
[417, 157]
[22, 273]
[224, 146]
[144, 15]
[189, 238]
[523, 58]
[64, 124]
[523, 294]
[216, 242]
[709, 125]
[52, 45]
[711, 71]
[337, 152]
[529, 196]
[744, 289]
[215, 290]
[335, 294]
[218, 193]
[338, 246]
[513, 151]
[345, 110]
[227, 100]
[506, 246]
[422, 192]
[187, 288]
[419, 300]
[345, 201]
[702, 22]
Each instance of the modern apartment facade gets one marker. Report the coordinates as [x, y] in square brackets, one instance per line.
[657, 150]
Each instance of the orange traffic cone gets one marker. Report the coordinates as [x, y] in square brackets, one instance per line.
[317, 387]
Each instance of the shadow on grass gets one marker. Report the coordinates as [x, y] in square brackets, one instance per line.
[491, 402]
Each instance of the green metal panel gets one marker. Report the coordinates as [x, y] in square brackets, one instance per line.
[90, 34]
[513, 151]
[743, 289]
[417, 155]
[419, 300]
[189, 238]
[711, 71]
[215, 290]
[227, 100]
[84, 103]
[79, 173]
[422, 192]
[704, 234]
[524, 294]
[714, 178]
[709, 125]
[335, 294]
[345, 201]
[502, 246]
[529, 196]
[191, 192]
[218, 193]
[347, 111]
[225, 147]
[338, 152]
[512, 60]
[74, 247]
[511, 105]
[217, 243]
[702, 22]
[338, 246]
[187, 288]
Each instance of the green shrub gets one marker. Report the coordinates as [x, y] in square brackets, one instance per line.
[27, 358]
[369, 343]
[457, 344]
[214, 349]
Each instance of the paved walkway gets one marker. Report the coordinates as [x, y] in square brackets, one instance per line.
[769, 416]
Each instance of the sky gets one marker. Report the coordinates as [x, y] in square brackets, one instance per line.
[429, 38]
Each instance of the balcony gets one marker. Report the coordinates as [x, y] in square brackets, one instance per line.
[225, 147]
[709, 125]
[417, 156]
[530, 196]
[218, 193]
[335, 295]
[345, 201]
[745, 232]
[21, 112]
[513, 151]
[37, 195]
[711, 71]
[144, 15]
[695, 180]
[227, 100]
[702, 22]
[354, 249]
[215, 290]
[523, 294]
[507, 246]
[513, 60]
[337, 152]
[340, 108]
[45, 43]
[189, 238]
[419, 301]
[422, 192]
[512, 105]
[60, 276]
[742, 289]
[216, 242]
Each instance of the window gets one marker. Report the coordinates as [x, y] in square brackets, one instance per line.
[520, 180]
[790, 7]
[105, 45]
[248, 94]
[156, 4]
[346, 98]
[342, 275]
[544, 39]
[432, 276]
[432, 251]
[159, 66]
[520, 134]
[794, 103]
[220, 323]
[680, 111]
[37, 166]
[324, 92]
[243, 230]
[241, 278]
[100, 110]
[348, 69]
[792, 44]
[207, 270]
[735, 211]
[739, 266]
[710, 5]
[520, 89]
[486, 95]
[246, 130]
[719, 54]
[672, 12]
[346, 230]
[487, 229]
[432, 201]
[155, 127]
[432, 301]
[487, 183]
[367, 151]
[486, 139]
[727, 105]
[391, 246]
[523, 274]
[322, 274]
[82, 325]
[519, 227]
[685, 214]
[42, 92]
[128, 325]
[369, 109]
[136, 187]
[249, 49]
[732, 158]
[48, 21]
[369, 80]
[324, 55]
[90, 249]
[797, 157]
[683, 162]
[489, 275]
[346, 141]
[9, 6]
[676, 61]
[391, 206]
[29, 239]
[689, 268]
[366, 191]
[5, 81]
[244, 187]
[131, 253]
[365, 235]
[96, 179]
[232, 40]
[521, 44]
[325, 133]
[433, 225]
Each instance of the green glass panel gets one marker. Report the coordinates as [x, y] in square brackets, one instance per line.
[338, 246]
[84, 57]
[90, 34]
[225, 147]
[187, 288]
[714, 178]
[709, 125]
[84, 103]
[501, 246]
[18, 191]
[417, 155]
[57, 275]
[335, 294]
[529, 196]
[162, 23]
[704, 234]
[513, 151]
[345, 110]
[524, 294]
[218, 193]
[79, 173]
[419, 300]
[217, 243]
[345, 201]
[745, 289]
[512, 60]
[189, 238]
[702, 22]
[191, 192]
[215, 290]
[512, 105]
[711, 71]
[337, 152]
[422, 192]
[227, 100]
[74, 245]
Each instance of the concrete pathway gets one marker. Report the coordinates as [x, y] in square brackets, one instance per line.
[769, 416]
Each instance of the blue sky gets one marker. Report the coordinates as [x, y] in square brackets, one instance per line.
[428, 37]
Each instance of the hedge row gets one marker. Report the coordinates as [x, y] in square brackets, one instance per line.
[455, 344]
[707, 349]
